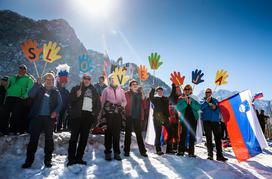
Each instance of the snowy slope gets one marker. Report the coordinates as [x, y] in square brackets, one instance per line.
[13, 148]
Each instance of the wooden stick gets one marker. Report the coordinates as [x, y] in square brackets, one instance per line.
[44, 66]
[214, 89]
[194, 87]
[36, 69]
[153, 77]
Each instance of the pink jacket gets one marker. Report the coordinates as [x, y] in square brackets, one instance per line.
[117, 97]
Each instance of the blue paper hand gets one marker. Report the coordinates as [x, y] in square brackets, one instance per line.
[197, 77]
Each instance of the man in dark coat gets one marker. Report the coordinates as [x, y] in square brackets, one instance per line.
[161, 118]
[134, 115]
[85, 106]
[46, 106]
[100, 86]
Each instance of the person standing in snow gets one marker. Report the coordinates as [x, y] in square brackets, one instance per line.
[17, 94]
[85, 106]
[262, 120]
[113, 101]
[161, 118]
[3, 91]
[62, 123]
[211, 120]
[134, 116]
[46, 106]
[188, 107]
[62, 80]
[173, 119]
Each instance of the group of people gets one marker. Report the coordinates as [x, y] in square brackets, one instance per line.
[180, 108]
[106, 107]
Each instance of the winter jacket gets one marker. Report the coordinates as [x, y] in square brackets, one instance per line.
[19, 86]
[114, 96]
[77, 102]
[3, 92]
[64, 97]
[109, 108]
[160, 106]
[37, 93]
[173, 98]
[129, 107]
[100, 88]
[209, 114]
[182, 105]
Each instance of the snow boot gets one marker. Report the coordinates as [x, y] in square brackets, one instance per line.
[108, 157]
[117, 157]
[27, 165]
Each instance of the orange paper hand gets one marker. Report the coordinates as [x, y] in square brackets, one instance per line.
[142, 73]
[31, 50]
[177, 79]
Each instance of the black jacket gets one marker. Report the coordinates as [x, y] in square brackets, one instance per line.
[160, 106]
[77, 102]
[2, 94]
[173, 98]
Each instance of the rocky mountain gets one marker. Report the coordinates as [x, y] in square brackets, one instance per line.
[15, 29]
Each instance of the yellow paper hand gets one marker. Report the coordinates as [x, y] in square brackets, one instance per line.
[221, 77]
[50, 52]
[119, 76]
[142, 73]
[31, 50]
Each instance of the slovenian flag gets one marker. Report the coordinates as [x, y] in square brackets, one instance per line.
[246, 136]
[258, 95]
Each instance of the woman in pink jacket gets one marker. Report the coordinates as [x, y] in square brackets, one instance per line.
[113, 101]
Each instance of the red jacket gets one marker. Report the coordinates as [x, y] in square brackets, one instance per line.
[128, 106]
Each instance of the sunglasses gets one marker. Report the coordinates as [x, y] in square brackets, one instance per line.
[208, 92]
[187, 89]
[22, 68]
[87, 79]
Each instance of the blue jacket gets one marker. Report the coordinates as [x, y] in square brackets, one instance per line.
[36, 94]
[209, 114]
[64, 93]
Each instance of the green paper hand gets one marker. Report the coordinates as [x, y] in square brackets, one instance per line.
[154, 61]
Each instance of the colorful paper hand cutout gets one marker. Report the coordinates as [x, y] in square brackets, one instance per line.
[177, 79]
[50, 52]
[85, 63]
[197, 77]
[154, 61]
[31, 50]
[119, 76]
[221, 77]
[142, 73]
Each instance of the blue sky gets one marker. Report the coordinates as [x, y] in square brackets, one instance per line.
[235, 35]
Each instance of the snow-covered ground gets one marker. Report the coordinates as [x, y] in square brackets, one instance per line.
[13, 149]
